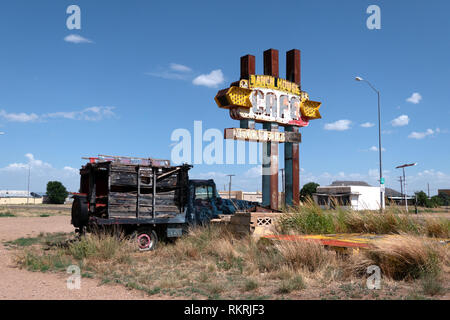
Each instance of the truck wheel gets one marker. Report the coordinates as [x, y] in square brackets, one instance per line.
[80, 214]
[146, 240]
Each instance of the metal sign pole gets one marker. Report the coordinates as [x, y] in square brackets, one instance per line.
[291, 150]
[270, 184]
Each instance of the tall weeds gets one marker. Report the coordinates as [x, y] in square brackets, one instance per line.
[311, 219]
[406, 257]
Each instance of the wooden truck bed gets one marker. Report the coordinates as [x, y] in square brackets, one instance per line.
[117, 190]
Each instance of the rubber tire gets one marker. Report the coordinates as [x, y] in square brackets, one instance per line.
[80, 214]
[146, 234]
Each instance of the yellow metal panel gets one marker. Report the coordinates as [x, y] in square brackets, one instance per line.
[239, 97]
[234, 96]
[310, 109]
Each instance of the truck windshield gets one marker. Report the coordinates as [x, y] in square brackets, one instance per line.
[204, 192]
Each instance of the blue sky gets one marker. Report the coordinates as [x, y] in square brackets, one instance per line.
[138, 70]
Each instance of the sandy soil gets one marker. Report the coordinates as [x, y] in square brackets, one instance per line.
[17, 283]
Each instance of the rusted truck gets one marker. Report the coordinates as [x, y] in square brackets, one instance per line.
[146, 198]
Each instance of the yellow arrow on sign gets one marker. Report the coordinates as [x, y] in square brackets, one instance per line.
[233, 96]
[310, 109]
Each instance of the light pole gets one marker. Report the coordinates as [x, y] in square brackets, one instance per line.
[283, 182]
[379, 143]
[229, 186]
[403, 166]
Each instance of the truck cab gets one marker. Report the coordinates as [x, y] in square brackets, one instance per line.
[205, 203]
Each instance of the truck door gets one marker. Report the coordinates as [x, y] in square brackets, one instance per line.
[204, 203]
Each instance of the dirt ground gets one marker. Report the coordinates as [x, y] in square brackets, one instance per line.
[17, 283]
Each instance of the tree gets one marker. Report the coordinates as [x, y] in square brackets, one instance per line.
[437, 201]
[423, 201]
[445, 199]
[308, 190]
[56, 192]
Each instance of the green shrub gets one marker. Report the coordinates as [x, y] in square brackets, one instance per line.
[287, 286]
[56, 192]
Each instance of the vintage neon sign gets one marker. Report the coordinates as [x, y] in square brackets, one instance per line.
[265, 98]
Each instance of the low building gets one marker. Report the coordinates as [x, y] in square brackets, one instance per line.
[397, 198]
[242, 195]
[444, 191]
[356, 195]
[8, 197]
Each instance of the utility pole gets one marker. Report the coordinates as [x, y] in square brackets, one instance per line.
[229, 186]
[404, 180]
[428, 185]
[28, 189]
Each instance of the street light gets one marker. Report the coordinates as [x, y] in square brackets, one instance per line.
[379, 142]
[403, 166]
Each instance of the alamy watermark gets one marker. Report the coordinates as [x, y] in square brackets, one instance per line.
[74, 281]
[374, 280]
[74, 20]
[209, 147]
[374, 20]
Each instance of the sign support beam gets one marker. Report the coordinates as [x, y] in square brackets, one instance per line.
[270, 149]
[291, 150]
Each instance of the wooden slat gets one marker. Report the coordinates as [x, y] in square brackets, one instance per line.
[119, 178]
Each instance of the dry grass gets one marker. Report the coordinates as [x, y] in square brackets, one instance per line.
[307, 255]
[407, 257]
[212, 263]
[31, 210]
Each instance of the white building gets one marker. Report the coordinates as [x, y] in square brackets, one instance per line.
[18, 197]
[242, 195]
[356, 195]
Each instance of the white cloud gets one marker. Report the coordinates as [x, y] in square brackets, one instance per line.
[254, 172]
[18, 117]
[15, 175]
[211, 80]
[88, 114]
[400, 121]
[71, 170]
[339, 125]
[436, 179]
[421, 135]
[415, 98]
[180, 67]
[175, 71]
[75, 38]
[165, 74]
[373, 148]
[367, 125]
